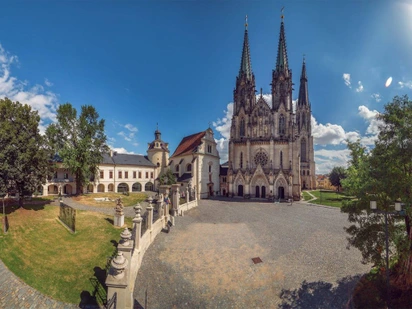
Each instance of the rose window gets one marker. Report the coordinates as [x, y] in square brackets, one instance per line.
[261, 158]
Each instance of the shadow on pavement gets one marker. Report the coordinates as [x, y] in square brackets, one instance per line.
[321, 294]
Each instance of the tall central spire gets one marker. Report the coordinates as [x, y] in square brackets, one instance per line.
[303, 89]
[245, 65]
[282, 58]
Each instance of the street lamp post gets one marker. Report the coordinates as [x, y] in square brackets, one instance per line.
[398, 212]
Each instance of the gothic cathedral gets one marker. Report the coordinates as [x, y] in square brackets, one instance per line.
[271, 145]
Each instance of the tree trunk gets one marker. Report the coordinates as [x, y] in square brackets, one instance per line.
[20, 201]
[405, 273]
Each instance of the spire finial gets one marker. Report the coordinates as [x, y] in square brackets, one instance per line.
[304, 58]
[157, 126]
[246, 22]
[261, 92]
[281, 16]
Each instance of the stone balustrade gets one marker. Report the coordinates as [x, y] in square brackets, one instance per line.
[133, 245]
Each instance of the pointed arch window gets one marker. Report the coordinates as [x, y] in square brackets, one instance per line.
[303, 121]
[242, 127]
[241, 160]
[282, 126]
[281, 158]
[303, 150]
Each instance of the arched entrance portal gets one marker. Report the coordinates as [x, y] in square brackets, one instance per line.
[257, 192]
[240, 190]
[281, 192]
[263, 191]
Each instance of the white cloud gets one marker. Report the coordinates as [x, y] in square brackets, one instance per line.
[407, 84]
[372, 131]
[122, 150]
[360, 87]
[330, 134]
[327, 159]
[346, 78]
[48, 83]
[130, 127]
[45, 102]
[377, 97]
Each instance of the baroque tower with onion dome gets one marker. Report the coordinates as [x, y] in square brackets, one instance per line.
[271, 145]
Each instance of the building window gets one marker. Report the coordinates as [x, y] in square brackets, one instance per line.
[189, 167]
[158, 164]
[177, 168]
[210, 168]
[242, 127]
[308, 173]
[111, 174]
[101, 174]
[66, 175]
[120, 174]
[224, 179]
[281, 158]
[55, 174]
[282, 127]
[147, 174]
[151, 174]
[140, 174]
[134, 174]
[126, 175]
[241, 160]
[303, 150]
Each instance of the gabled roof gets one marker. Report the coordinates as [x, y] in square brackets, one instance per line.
[127, 159]
[189, 144]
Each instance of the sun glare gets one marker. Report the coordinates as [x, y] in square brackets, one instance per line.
[388, 82]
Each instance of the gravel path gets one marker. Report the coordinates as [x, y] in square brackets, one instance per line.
[206, 259]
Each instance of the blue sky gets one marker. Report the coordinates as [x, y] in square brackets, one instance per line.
[175, 63]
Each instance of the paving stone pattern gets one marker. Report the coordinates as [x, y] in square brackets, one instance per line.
[206, 259]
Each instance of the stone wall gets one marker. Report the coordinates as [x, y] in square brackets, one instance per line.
[122, 275]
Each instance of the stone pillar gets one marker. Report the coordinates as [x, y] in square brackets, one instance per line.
[160, 208]
[166, 205]
[117, 282]
[149, 214]
[187, 195]
[126, 244]
[119, 214]
[194, 192]
[175, 198]
[137, 226]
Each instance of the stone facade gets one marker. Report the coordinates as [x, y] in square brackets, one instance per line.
[271, 145]
[196, 161]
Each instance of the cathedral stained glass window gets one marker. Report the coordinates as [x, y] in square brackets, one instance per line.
[261, 158]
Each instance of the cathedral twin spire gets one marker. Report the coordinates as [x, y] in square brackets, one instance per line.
[282, 66]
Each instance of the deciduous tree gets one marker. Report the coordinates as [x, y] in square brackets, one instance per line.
[336, 175]
[167, 178]
[24, 153]
[79, 140]
[384, 175]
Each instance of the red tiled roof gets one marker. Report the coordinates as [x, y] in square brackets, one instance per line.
[189, 144]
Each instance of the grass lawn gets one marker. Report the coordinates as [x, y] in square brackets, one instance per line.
[306, 196]
[128, 200]
[329, 198]
[39, 250]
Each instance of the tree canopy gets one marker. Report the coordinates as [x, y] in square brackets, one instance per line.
[384, 174]
[79, 140]
[336, 175]
[24, 154]
[167, 178]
